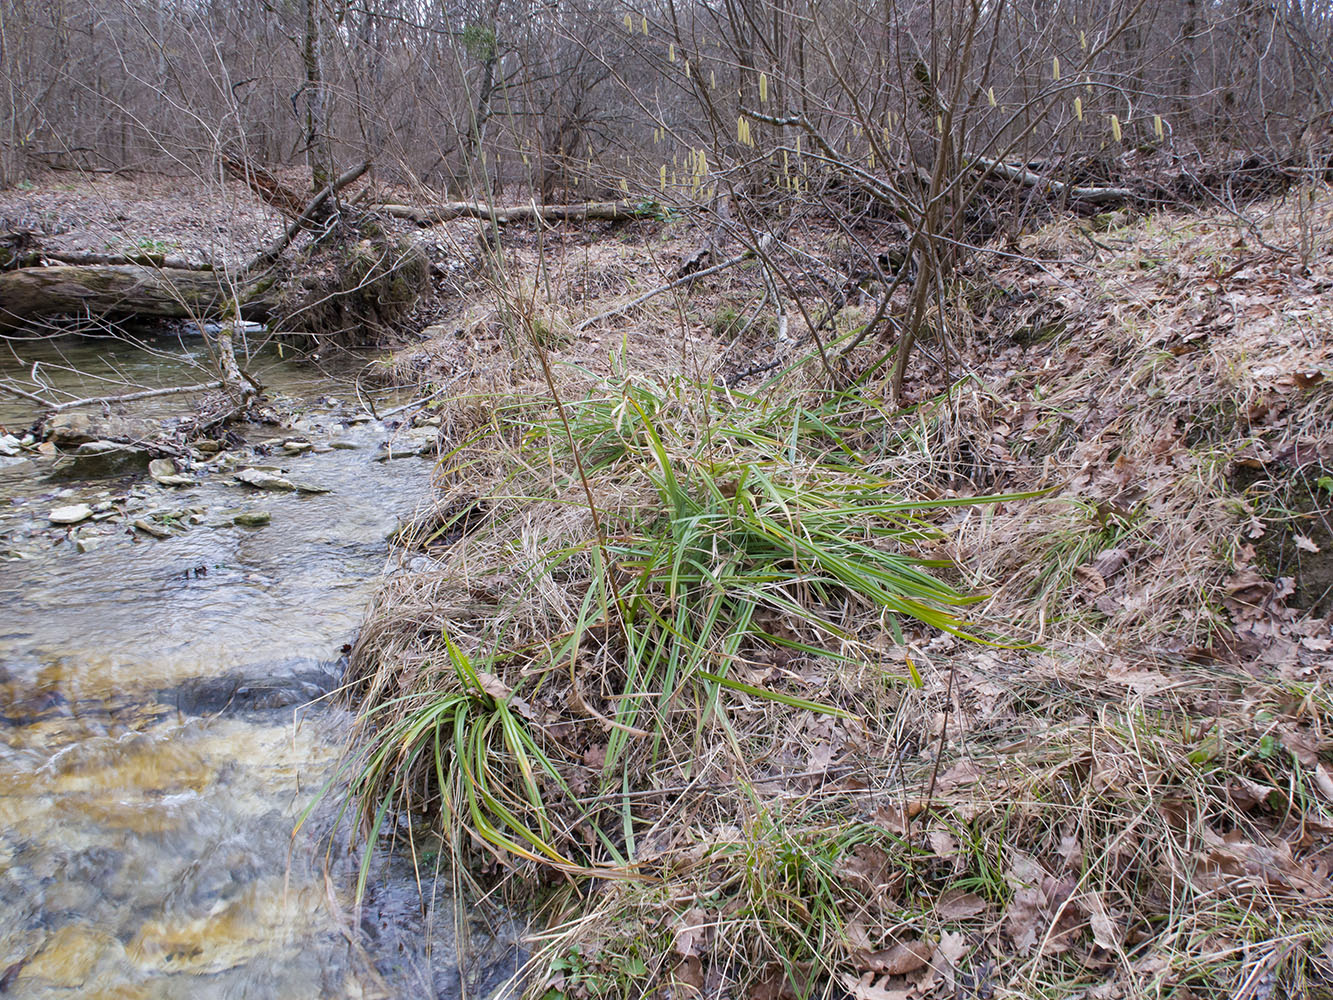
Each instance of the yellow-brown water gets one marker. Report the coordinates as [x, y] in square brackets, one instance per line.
[157, 740]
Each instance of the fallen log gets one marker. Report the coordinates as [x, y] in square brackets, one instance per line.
[128, 289]
[433, 215]
[158, 260]
[1021, 175]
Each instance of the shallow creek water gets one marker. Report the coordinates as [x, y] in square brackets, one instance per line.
[158, 734]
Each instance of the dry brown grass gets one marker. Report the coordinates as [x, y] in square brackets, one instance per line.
[1142, 806]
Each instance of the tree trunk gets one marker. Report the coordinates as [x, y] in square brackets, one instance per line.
[319, 147]
[127, 289]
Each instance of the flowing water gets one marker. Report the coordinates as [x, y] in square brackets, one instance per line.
[160, 731]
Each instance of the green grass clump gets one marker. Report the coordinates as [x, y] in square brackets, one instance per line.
[723, 532]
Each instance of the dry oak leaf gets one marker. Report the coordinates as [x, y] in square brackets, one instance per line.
[694, 928]
[689, 975]
[958, 904]
[1022, 920]
[866, 988]
[1247, 793]
[1106, 932]
[1323, 781]
[942, 843]
[895, 819]
[950, 951]
[902, 958]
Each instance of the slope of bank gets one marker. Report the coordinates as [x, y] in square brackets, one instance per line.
[817, 720]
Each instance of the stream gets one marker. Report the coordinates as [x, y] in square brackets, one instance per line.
[163, 719]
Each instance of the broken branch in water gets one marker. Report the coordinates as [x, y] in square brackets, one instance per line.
[131, 397]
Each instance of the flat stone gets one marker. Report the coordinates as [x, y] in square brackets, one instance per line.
[150, 528]
[296, 447]
[252, 518]
[72, 514]
[9, 444]
[163, 470]
[86, 543]
[264, 480]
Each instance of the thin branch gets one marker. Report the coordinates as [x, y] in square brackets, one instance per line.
[660, 289]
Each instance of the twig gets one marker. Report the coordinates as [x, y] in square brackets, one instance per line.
[21, 394]
[131, 397]
[626, 307]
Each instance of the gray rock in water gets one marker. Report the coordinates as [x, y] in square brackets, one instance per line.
[72, 514]
[86, 543]
[163, 470]
[9, 444]
[99, 459]
[260, 479]
[252, 518]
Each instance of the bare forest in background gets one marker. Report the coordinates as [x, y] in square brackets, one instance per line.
[667, 100]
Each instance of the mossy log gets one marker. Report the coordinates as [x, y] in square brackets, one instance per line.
[127, 289]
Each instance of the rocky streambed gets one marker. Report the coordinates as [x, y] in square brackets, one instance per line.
[174, 620]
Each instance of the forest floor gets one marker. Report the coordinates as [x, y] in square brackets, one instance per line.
[758, 686]
[758, 653]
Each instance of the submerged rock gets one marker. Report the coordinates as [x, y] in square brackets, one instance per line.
[264, 480]
[151, 528]
[86, 543]
[252, 518]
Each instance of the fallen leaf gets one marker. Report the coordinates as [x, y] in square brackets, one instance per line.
[950, 950]
[1072, 851]
[865, 988]
[1105, 931]
[1305, 544]
[1247, 793]
[689, 974]
[693, 930]
[1109, 562]
[894, 819]
[1022, 920]
[942, 843]
[820, 758]
[958, 904]
[1323, 781]
[902, 958]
